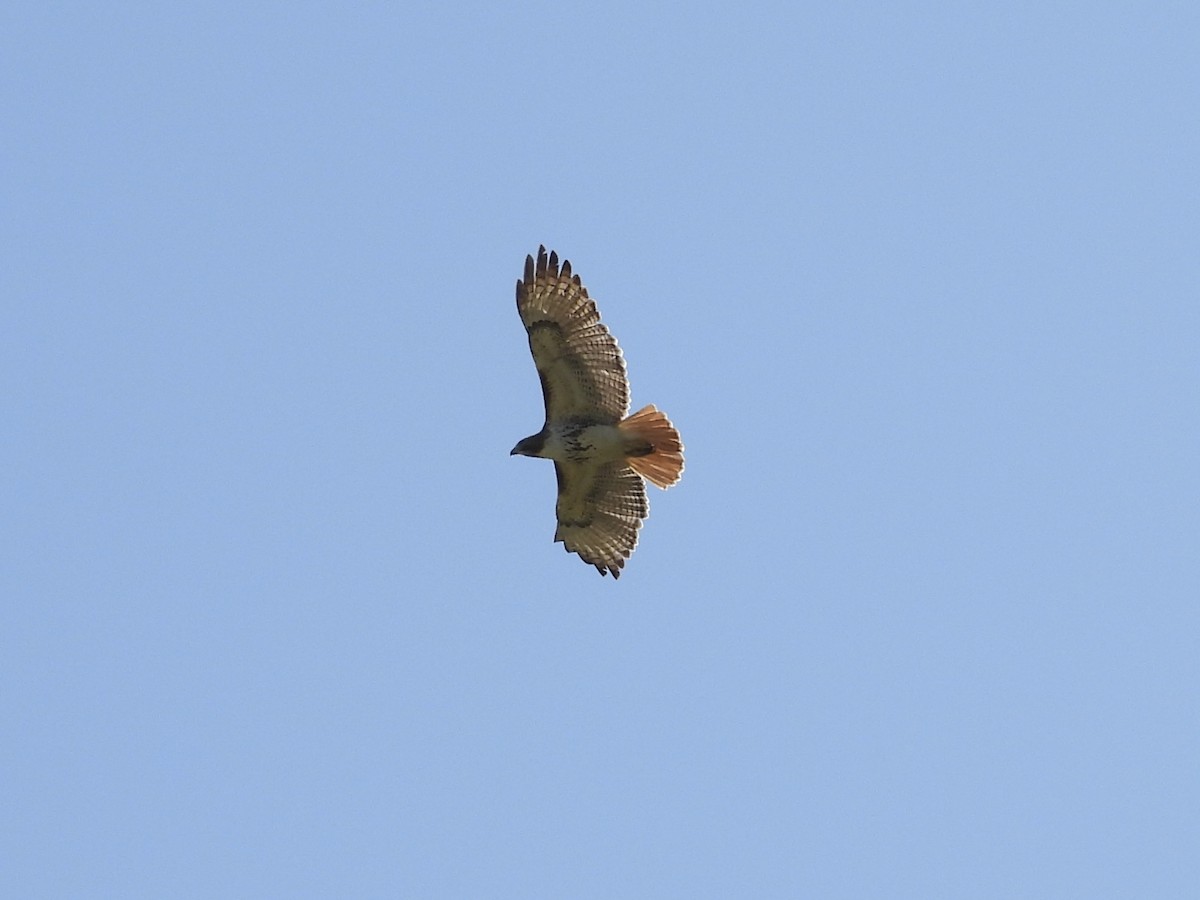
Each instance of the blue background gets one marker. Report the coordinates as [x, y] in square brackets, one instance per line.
[918, 283]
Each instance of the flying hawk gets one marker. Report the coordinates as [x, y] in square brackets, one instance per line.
[600, 456]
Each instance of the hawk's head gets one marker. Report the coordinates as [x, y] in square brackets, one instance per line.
[530, 446]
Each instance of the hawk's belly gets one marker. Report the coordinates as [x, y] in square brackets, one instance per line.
[584, 443]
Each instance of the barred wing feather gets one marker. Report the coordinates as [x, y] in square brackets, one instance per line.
[600, 509]
[578, 362]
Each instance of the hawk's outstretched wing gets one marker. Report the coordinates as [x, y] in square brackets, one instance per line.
[578, 361]
[600, 509]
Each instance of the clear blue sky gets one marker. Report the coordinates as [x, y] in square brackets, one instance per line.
[918, 282]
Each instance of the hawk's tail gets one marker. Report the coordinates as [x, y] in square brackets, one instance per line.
[655, 450]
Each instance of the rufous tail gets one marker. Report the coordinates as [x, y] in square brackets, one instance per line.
[656, 450]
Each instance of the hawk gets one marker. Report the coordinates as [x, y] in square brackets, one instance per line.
[600, 455]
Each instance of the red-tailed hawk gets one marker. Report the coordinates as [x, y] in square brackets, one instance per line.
[600, 456]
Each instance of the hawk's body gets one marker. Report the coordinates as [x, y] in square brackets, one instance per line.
[600, 456]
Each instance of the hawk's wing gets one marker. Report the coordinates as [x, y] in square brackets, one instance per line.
[578, 361]
[600, 509]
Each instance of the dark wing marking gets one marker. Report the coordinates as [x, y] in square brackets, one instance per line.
[578, 361]
[600, 509]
